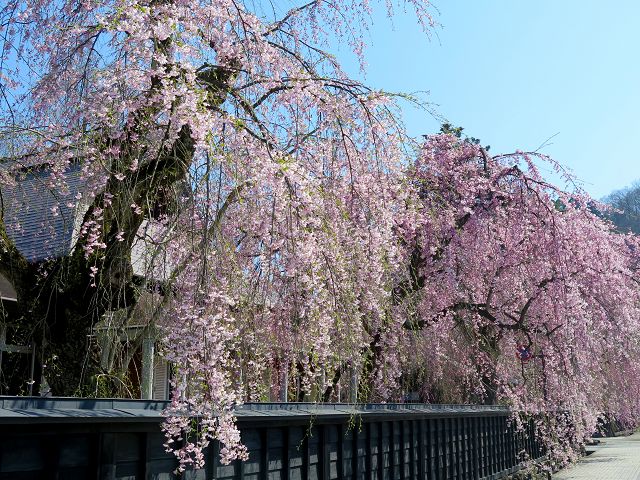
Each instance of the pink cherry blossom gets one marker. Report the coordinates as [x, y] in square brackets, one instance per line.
[293, 230]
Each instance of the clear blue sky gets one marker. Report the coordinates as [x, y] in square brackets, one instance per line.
[516, 72]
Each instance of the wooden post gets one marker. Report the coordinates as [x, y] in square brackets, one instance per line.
[3, 342]
[284, 386]
[33, 367]
[320, 391]
[354, 385]
[146, 387]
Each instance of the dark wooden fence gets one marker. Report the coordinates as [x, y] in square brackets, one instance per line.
[119, 439]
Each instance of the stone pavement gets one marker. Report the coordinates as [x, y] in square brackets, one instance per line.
[616, 458]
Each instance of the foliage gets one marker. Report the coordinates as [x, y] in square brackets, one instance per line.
[496, 267]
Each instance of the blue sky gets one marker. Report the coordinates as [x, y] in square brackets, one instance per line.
[516, 72]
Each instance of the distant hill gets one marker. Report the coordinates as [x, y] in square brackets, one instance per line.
[627, 202]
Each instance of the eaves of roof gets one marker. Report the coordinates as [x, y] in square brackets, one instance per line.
[39, 216]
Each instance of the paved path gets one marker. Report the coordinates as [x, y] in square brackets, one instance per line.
[616, 458]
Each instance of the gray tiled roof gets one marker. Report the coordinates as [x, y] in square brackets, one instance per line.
[39, 234]
[40, 217]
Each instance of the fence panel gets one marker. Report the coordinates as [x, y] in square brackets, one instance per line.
[122, 440]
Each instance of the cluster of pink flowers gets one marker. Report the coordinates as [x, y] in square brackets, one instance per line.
[528, 293]
[306, 238]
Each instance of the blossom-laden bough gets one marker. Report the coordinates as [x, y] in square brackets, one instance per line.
[289, 226]
[519, 291]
